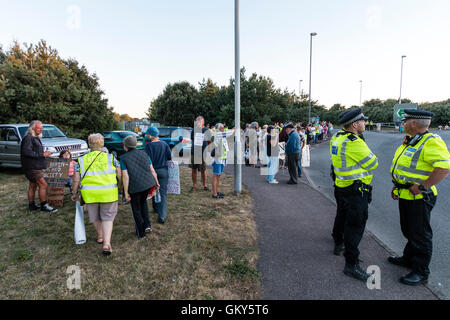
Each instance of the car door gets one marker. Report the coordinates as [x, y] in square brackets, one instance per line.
[12, 146]
[2, 144]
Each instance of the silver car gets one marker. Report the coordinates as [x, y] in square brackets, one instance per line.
[53, 140]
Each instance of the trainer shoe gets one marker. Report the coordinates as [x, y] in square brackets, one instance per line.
[47, 208]
[274, 182]
[356, 272]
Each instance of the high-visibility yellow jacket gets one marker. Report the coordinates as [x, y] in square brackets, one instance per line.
[221, 146]
[99, 185]
[414, 163]
[352, 159]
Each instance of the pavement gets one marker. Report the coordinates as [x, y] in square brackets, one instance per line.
[296, 260]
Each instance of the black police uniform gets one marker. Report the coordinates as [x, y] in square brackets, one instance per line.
[352, 209]
[415, 221]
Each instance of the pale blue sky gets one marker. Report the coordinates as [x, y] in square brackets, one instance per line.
[137, 47]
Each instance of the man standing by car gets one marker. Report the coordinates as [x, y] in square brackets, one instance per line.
[32, 156]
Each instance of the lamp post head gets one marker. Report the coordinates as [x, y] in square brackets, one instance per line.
[313, 34]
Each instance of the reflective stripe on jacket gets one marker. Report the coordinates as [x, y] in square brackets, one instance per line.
[99, 185]
[352, 159]
[414, 164]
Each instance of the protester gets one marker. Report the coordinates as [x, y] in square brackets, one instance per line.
[301, 133]
[65, 154]
[32, 157]
[253, 144]
[220, 158]
[272, 151]
[292, 153]
[201, 138]
[159, 153]
[138, 178]
[99, 178]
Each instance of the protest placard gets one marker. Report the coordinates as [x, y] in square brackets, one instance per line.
[173, 187]
[56, 175]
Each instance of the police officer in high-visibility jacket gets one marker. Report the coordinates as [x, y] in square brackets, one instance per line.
[421, 162]
[352, 167]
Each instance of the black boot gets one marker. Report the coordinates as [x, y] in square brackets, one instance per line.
[356, 272]
[32, 206]
[414, 279]
[338, 249]
[400, 261]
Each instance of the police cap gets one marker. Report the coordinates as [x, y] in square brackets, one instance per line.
[351, 116]
[417, 114]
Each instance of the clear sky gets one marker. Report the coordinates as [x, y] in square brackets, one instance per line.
[137, 47]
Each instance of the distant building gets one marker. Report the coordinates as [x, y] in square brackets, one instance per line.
[137, 125]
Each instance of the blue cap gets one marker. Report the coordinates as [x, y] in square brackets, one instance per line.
[351, 116]
[417, 114]
[154, 132]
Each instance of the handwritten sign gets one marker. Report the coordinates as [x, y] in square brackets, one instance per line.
[173, 186]
[56, 175]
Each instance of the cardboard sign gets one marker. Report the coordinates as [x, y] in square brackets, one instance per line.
[173, 186]
[56, 175]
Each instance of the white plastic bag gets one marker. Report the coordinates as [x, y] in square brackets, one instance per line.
[305, 157]
[80, 233]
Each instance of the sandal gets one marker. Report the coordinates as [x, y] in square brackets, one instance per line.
[107, 250]
[99, 241]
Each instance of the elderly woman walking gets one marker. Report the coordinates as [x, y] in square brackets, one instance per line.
[159, 153]
[99, 177]
[138, 178]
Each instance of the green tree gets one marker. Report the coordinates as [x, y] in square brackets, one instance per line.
[36, 83]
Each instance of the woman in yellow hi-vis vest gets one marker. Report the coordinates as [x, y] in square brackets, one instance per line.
[420, 163]
[99, 176]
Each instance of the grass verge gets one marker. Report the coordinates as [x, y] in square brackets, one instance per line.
[207, 249]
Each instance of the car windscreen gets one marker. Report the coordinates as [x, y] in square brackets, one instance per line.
[126, 134]
[52, 132]
[47, 132]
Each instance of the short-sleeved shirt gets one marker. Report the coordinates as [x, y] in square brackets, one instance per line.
[159, 152]
[200, 139]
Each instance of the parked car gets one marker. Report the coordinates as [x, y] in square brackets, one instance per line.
[53, 140]
[177, 136]
[114, 141]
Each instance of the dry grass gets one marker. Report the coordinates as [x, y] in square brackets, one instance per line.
[207, 249]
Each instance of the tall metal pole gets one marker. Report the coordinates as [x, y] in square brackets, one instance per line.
[310, 68]
[300, 89]
[237, 104]
[360, 93]
[401, 77]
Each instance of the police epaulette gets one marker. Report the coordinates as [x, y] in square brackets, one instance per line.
[352, 137]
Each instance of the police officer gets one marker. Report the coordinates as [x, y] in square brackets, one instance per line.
[351, 171]
[421, 162]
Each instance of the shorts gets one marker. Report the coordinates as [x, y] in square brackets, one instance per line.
[102, 211]
[199, 167]
[34, 175]
[218, 168]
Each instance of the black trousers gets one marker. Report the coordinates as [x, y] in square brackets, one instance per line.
[140, 212]
[293, 166]
[415, 224]
[350, 222]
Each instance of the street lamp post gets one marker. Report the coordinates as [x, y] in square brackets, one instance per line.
[300, 89]
[310, 68]
[360, 93]
[237, 104]
[401, 77]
